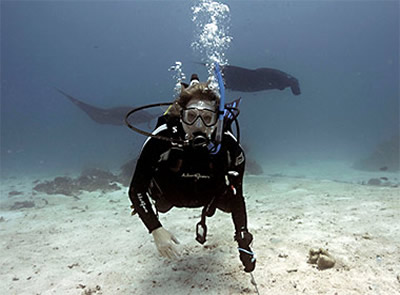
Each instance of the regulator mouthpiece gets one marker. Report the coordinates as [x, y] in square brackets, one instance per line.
[200, 141]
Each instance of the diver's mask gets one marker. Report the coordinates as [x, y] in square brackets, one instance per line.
[199, 120]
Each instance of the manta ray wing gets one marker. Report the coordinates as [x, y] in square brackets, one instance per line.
[110, 116]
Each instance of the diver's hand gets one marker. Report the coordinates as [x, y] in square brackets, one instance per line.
[246, 255]
[165, 242]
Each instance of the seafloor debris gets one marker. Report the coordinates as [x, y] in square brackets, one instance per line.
[90, 180]
[382, 181]
[91, 291]
[15, 193]
[322, 258]
[60, 185]
[374, 181]
[23, 204]
[73, 265]
[366, 236]
[97, 179]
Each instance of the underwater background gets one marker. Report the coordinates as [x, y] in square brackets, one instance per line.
[322, 177]
[345, 55]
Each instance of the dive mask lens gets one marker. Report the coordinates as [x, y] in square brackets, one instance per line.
[189, 116]
[209, 117]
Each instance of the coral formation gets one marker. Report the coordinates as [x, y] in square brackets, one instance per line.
[253, 168]
[23, 204]
[385, 157]
[90, 180]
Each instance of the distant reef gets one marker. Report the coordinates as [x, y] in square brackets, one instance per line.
[90, 180]
[97, 179]
[385, 157]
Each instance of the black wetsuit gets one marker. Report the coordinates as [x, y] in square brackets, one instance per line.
[183, 176]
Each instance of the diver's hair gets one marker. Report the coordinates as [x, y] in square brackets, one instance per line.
[197, 91]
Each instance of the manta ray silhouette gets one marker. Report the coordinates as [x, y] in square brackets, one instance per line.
[247, 80]
[111, 116]
[235, 78]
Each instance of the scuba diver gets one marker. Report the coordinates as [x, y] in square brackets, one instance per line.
[192, 169]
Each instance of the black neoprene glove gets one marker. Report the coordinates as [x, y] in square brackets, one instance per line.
[247, 256]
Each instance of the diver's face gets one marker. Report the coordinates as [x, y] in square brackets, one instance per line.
[199, 117]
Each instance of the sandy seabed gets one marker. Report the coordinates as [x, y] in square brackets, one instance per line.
[91, 245]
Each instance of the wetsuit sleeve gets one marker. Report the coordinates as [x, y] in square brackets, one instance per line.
[235, 175]
[139, 187]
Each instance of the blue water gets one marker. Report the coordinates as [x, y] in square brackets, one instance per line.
[344, 53]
